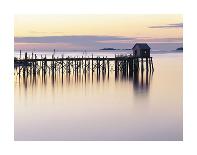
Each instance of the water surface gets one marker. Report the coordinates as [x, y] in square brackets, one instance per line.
[104, 107]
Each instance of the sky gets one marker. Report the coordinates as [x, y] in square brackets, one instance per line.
[62, 32]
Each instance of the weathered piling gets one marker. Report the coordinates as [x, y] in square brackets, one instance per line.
[20, 55]
[125, 65]
[108, 66]
[85, 66]
[92, 64]
[62, 65]
[68, 65]
[142, 64]
[152, 63]
[146, 64]
[25, 65]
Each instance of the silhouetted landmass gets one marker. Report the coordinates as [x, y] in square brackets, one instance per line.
[114, 49]
[108, 49]
[179, 49]
[126, 49]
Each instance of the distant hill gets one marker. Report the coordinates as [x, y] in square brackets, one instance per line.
[114, 49]
[108, 49]
[179, 49]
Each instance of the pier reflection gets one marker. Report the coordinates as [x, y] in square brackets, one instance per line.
[139, 80]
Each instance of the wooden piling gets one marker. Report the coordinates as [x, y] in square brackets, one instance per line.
[20, 54]
[108, 66]
[85, 65]
[124, 65]
[142, 64]
[97, 65]
[152, 64]
[146, 64]
[75, 66]
[62, 63]
[92, 64]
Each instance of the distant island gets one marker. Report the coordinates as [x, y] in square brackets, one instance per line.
[114, 49]
[179, 49]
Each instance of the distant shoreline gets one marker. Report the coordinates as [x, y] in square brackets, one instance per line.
[96, 51]
[113, 49]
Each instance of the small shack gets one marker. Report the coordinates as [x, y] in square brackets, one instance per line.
[141, 50]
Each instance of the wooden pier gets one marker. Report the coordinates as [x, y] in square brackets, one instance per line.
[126, 64]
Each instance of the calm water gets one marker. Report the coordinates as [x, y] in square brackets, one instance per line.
[103, 107]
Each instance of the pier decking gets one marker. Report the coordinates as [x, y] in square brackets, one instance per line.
[126, 64]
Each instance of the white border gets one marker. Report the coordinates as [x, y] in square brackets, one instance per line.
[7, 10]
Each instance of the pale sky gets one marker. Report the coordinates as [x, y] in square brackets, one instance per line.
[119, 29]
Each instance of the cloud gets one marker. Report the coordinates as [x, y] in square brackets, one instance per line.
[175, 25]
[123, 41]
[74, 42]
[159, 40]
[46, 46]
[85, 42]
[85, 39]
[68, 39]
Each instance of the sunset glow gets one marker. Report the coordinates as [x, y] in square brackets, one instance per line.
[143, 28]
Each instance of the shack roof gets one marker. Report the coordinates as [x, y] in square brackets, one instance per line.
[141, 46]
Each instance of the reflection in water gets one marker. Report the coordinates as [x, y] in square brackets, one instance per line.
[139, 79]
[141, 82]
